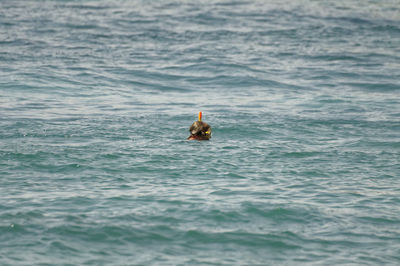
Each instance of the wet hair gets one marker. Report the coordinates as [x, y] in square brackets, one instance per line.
[200, 129]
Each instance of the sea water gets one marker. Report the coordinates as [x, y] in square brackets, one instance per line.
[96, 99]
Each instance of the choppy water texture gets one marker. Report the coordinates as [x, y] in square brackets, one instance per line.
[96, 98]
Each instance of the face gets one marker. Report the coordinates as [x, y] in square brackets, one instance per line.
[200, 130]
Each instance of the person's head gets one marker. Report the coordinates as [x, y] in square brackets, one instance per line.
[200, 130]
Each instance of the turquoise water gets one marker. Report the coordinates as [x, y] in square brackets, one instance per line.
[96, 99]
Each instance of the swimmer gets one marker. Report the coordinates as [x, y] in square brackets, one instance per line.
[199, 130]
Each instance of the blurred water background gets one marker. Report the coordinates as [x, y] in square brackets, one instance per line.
[96, 98]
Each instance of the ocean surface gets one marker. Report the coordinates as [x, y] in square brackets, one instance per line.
[96, 99]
